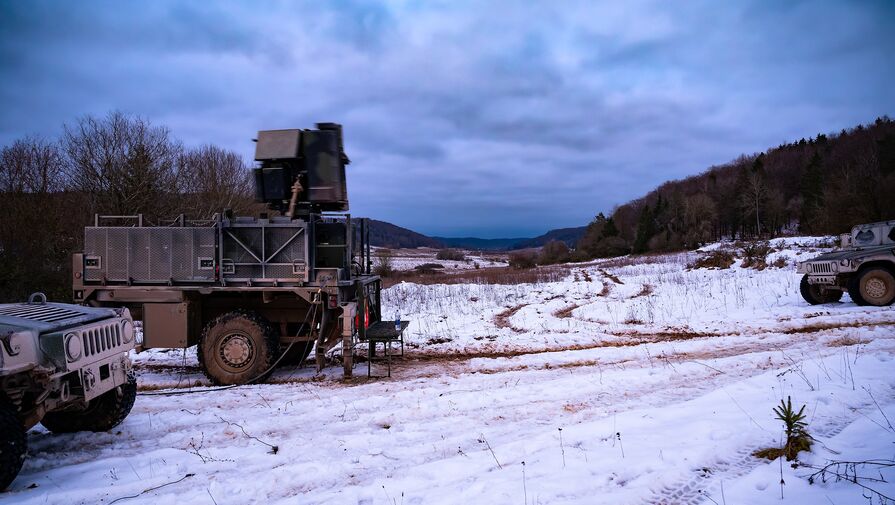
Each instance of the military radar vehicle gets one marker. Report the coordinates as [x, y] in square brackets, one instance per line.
[864, 266]
[250, 292]
[64, 366]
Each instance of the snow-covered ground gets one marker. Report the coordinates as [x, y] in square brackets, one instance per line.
[633, 380]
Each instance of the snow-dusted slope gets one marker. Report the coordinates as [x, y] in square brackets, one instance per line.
[628, 381]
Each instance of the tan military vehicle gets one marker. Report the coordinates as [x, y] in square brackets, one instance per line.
[64, 366]
[864, 266]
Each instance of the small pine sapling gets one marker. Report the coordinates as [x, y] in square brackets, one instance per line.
[796, 429]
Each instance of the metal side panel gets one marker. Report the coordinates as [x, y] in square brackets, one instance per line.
[168, 325]
[150, 255]
[260, 251]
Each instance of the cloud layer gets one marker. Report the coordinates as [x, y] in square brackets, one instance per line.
[464, 118]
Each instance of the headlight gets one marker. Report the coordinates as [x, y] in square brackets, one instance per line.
[73, 348]
[843, 263]
[127, 331]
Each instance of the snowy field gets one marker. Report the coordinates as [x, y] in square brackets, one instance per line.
[625, 381]
[409, 259]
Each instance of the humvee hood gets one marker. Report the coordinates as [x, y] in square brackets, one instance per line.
[851, 253]
[47, 317]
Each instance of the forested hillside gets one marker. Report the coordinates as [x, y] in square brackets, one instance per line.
[819, 185]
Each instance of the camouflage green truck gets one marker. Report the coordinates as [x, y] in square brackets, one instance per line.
[64, 366]
[864, 266]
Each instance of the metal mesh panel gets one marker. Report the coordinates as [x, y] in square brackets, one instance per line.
[150, 255]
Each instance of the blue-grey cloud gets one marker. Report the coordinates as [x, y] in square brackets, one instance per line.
[464, 118]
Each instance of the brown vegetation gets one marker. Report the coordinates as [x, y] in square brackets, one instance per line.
[489, 275]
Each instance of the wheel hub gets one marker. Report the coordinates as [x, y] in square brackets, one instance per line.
[875, 287]
[236, 350]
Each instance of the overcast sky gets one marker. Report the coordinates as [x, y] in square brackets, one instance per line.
[491, 119]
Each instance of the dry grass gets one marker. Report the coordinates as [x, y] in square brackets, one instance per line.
[814, 328]
[502, 320]
[487, 276]
[846, 341]
[611, 277]
[719, 259]
[645, 290]
[565, 312]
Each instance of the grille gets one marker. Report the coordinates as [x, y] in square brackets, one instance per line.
[821, 268]
[42, 313]
[100, 339]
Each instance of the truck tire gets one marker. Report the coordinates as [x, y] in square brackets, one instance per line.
[237, 348]
[13, 444]
[815, 295]
[102, 413]
[873, 286]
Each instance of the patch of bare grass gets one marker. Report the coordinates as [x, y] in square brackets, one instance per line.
[645, 290]
[566, 312]
[502, 320]
[719, 259]
[846, 341]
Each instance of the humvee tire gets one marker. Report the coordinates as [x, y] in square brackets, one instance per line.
[873, 286]
[102, 413]
[13, 444]
[815, 295]
[237, 348]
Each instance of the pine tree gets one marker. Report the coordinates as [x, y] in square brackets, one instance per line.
[645, 230]
[812, 194]
[609, 229]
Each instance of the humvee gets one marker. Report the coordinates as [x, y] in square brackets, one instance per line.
[64, 366]
[864, 266]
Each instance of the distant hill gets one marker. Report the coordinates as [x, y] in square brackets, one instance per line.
[384, 234]
[568, 235]
[485, 244]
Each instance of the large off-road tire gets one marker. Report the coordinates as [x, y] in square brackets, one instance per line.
[102, 413]
[873, 286]
[13, 444]
[815, 295]
[238, 347]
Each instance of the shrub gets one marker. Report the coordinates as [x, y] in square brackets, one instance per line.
[428, 268]
[384, 266]
[755, 255]
[450, 255]
[554, 252]
[719, 259]
[523, 259]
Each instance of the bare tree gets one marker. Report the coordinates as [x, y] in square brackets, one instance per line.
[36, 220]
[753, 197]
[127, 165]
[212, 179]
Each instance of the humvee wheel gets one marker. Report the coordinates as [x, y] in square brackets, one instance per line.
[13, 444]
[815, 294]
[237, 348]
[102, 413]
[873, 286]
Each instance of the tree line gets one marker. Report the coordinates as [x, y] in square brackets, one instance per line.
[818, 186]
[117, 164]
